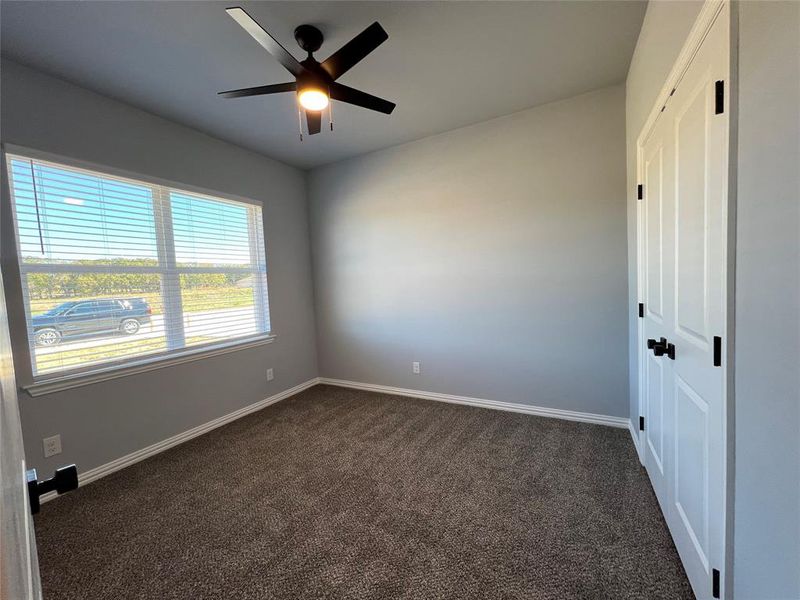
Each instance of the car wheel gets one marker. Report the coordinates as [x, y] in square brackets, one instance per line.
[47, 337]
[129, 326]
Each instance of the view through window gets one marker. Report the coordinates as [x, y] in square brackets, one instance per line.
[115, 270]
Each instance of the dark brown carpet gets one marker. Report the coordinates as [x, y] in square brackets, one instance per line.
[338, 493]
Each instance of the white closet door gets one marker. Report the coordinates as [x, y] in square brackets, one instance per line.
[684, 220]
[696, 254]
[657, 180]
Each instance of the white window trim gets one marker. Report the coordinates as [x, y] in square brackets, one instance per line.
[122, 173]
[46, 384]
[149, 363]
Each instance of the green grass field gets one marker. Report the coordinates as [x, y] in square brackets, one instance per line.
[100, 354]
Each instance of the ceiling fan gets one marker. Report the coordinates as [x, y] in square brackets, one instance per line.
[315, 82]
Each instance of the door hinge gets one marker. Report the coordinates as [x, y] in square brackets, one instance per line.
[717, 351]
[641, 423]
[641, 310]
[715, 583]
[639, 191]
[719, 97]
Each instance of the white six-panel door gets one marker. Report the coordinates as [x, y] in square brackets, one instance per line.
[657, 179]
[683, 221]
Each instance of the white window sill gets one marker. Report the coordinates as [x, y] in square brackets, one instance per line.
[59, 383]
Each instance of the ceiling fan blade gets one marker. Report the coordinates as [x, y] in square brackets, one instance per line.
[314, 121]
[353, 51]
[271, 45]
[352, 96]
[275, 88]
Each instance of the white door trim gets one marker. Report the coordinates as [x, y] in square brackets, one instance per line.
[705, 20]
[698, 33]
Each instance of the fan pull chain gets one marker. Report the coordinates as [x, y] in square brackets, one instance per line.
[330, 109]
[300, 124]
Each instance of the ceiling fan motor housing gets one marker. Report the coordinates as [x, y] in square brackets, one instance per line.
[309, 38]
[315, 78]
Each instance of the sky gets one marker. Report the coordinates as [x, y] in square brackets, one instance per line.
[85, 216]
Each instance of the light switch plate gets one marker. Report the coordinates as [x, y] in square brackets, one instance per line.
[270, 375]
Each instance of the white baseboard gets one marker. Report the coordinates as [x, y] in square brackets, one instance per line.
[539, 411]
[134, 457]
[635, 437]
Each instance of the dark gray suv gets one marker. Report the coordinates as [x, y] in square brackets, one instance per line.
[85, 317]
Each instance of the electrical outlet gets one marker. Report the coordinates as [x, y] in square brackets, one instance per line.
[52, 446]
[270, 375]
[415, 368]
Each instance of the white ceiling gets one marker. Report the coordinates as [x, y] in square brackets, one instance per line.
[446, 64]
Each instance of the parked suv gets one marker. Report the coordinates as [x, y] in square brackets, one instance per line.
[83, 317]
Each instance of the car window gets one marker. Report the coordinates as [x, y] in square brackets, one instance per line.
[107, 304]
[58, 309]
[84, 308]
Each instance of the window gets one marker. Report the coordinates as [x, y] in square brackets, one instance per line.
[115, 270]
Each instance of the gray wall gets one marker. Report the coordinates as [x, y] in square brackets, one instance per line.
[664, 30]
[493, 254]
[767, 384]
[104, 421]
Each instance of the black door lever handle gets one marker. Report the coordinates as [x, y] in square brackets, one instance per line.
[661, 347]
[64, 480]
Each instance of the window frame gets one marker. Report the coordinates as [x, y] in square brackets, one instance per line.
[36, 385]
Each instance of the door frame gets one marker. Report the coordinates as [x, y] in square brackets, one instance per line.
[707, 17]
[19, 571]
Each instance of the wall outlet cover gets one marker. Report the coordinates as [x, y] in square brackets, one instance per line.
[270, 375]
[415, 368]
[52, 445]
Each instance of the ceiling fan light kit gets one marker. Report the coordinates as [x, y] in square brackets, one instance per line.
[315, 83]
[312, 99]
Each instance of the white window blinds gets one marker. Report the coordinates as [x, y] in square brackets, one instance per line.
[115, 270]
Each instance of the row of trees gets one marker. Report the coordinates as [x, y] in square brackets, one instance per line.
[43, 286]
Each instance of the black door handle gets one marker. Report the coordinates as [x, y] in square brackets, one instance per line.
[64, 480]
[661, 347]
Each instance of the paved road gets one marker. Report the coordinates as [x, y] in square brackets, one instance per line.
[213, 323]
